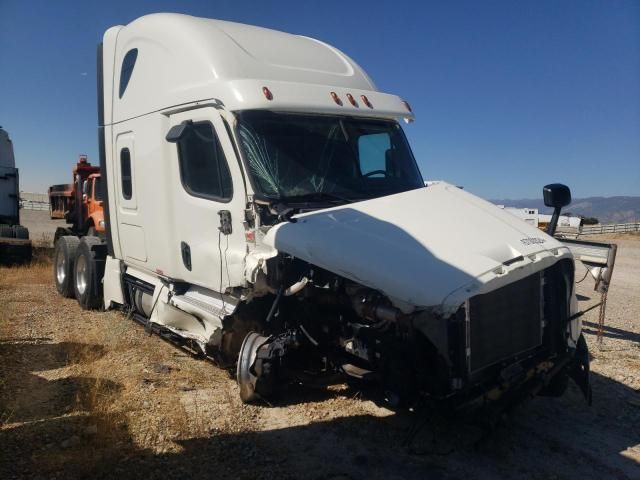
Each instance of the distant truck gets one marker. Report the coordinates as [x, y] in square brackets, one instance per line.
[262, 205]
[79, 202]
[15, 246]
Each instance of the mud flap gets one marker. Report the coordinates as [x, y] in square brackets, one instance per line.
[579, 371]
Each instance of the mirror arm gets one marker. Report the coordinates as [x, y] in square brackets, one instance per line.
[551, 228]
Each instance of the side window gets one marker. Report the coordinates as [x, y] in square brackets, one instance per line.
[97, 189]
[125, 172]
[126, 70]
[89, 191]
[203, 167]
[372, 152]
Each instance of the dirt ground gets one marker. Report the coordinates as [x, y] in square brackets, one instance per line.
[86, 394]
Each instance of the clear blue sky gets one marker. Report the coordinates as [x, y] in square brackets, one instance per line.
[509, 95]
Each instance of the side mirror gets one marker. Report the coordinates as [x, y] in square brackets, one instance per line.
[555, 195]
[177, 132]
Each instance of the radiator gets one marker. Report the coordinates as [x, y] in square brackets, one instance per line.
[504, 323]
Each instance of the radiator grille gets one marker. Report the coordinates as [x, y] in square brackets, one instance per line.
[504, 323]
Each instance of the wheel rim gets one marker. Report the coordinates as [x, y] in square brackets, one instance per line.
[245, 378]
[81, 274]
[61, 266]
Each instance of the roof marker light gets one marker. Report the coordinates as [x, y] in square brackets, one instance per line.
[407, 106]
[336, 98]
[267, 93]
[352, 100]
[366, 101]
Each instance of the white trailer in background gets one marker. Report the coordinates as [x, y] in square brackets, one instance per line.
[566, 224]
[15, 246]
[529, 215]
[262, 204]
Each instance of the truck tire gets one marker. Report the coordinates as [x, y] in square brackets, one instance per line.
[88, 271]
[61, 232]
[6, 231]
[21, 232]
[63, 258]
[15, 252]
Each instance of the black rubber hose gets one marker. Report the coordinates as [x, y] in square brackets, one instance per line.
[274, 305]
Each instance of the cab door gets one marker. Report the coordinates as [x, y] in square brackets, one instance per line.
[209, 199]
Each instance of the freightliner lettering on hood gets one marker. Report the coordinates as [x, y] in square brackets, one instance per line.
[431, 247]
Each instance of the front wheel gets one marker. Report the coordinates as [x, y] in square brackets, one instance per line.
[254, 375]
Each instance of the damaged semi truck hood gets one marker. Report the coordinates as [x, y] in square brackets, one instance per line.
[432, 247]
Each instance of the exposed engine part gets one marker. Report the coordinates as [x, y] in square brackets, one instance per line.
[262, 285]
[371, 305]
[296, 287]
[313, 341]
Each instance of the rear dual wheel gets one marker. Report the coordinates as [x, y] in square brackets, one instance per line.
[63, 262]
[87, 277]
[6, 231]
[16, 231]
[78, 270]
[21, 232]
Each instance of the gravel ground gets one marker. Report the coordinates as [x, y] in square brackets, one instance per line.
[86, 394]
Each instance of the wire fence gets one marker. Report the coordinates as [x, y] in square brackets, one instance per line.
[34, 204]
[34, 201]
[610, 228]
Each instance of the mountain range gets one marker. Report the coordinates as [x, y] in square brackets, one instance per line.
[605, 209]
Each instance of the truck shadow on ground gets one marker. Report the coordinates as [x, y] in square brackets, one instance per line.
[544, 438]
[370, 447]
[25, 393]
[43, 408]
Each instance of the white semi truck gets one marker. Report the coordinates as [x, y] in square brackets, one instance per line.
[15, 246]
[262, 204]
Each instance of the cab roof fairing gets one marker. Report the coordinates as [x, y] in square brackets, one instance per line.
[183, 59]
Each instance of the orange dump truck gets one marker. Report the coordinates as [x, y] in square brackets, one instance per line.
[80, 202]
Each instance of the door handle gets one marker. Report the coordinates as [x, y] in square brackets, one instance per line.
[185, 250]
[225, 222]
